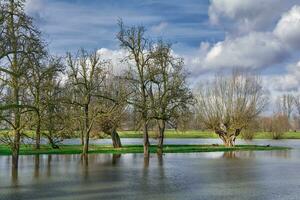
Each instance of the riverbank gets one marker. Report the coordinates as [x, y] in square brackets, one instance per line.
[76, 149]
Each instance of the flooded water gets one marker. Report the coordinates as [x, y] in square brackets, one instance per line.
[217, 175]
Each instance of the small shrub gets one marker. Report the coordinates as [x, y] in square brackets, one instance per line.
[276, 135]
[248, 134]
[280, 124]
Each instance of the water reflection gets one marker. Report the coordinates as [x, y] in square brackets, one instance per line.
[252, 154]
[229, 155]
[36, 166]
[49, 159]
[115, 158]
[14, 176]
[235, 175]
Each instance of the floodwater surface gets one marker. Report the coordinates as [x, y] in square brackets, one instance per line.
[216, 175]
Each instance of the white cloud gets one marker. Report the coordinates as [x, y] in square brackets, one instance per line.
[243, 16]
[288, 28]
[289, 81]
[254, 50]
[116, 58]
[160, 27]
[35, 8]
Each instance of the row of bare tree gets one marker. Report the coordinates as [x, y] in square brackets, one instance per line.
[79, 94]
[58, 97]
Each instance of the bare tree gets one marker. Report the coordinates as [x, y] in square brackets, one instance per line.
[168, 91]
[42, 71]
[86, 76]
[114, 97]
[133, 40]
[285, 104]
[229, 104]
[297, 106]
[56, 116]
[19, 41]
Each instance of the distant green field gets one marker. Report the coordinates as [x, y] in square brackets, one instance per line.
[170, 134]
[187, 134]
[77, 149]
[202, 134]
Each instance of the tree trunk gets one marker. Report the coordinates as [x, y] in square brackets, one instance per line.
[146, 139]
[38, 134]
[161, 128]
[52, 143]
[86, 131]
[15, 149]
[86, 144]
[82, 137]
[116, 139]
[228, 138]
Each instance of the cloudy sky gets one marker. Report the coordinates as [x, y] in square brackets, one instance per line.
[215, 35]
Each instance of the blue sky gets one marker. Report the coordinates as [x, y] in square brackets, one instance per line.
[69, 24]
[212, 35]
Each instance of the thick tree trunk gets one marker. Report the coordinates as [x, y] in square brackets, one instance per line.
[146, 139]
[228, 138]
[110, 129]
[16, 149]
[38, 134]
[116, 139]
[161, 135]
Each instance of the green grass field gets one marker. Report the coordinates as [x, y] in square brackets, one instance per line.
[188, 134]
[202, 134]
[76, 149]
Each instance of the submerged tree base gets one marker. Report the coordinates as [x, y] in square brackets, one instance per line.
[77, 149]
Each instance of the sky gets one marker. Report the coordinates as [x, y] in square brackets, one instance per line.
[211, 35]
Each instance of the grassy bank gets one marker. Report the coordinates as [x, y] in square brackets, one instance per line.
[186, 134]
[76, 149]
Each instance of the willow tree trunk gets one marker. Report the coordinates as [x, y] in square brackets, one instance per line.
[161, 135]
[228, 141]
[116, 139]
[228, 138]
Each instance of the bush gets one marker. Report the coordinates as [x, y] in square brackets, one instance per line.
[280, 124]
[248, 134]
